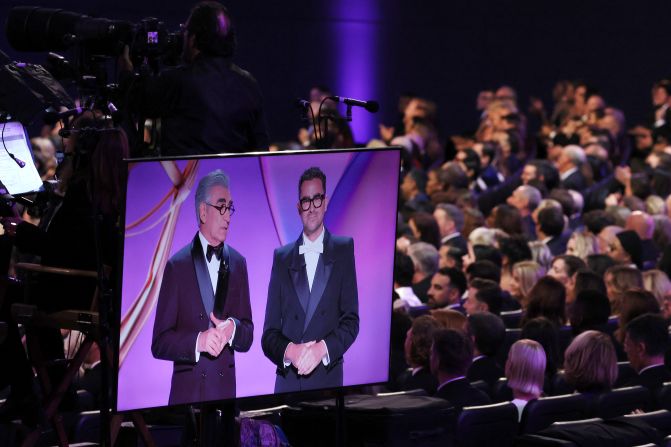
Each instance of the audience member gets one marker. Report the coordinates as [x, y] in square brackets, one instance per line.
[484, 295]
[589, 311]
[488, 334]
[525, 371]
[645, 342]
[417, 346]
[404, 270]
[525, 275]
[590, 364]
[447, 287]
[424, 228]
[451, 355]
[619, 279]
[547, 298]
[425, 259]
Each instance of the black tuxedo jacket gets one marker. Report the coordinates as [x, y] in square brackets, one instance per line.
[486, 369]
[183, 310]
[329, 312]
[423, 379]
[575, 181]
[652, 378]
[461, 393]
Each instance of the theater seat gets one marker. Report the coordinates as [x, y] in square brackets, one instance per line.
[541, 413]
[624, 374]
[512, 335]
[621, 401]
[660, 419]
[663, 396]
[487, 425]
[512, 318]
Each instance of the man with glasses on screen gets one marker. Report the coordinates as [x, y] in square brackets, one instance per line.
[312, 313]
[203, 313]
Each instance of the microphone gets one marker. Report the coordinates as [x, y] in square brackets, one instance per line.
[302, 103]
[371, 106]
[52, 117]
[18, 161]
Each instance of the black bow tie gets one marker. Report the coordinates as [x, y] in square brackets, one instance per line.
[214, 250]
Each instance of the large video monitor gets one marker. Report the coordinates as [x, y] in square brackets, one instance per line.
[244, 276]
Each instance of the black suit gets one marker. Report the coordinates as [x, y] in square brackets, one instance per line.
[557, 245]
[422, 379]
[184, 305]
[421, 289]
[576, 181]
[485, 369]
[457, 241]
[296, 314]
[650, 254]
[461, 393]
[652, 378]
[207, 107]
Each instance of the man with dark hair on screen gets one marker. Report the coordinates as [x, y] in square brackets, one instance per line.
[312, 315]
[203, 313]
[207, 105]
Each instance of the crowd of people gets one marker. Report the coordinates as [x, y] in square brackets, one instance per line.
[552, 225]
[533, 253]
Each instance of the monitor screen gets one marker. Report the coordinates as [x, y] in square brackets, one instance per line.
[256, 274]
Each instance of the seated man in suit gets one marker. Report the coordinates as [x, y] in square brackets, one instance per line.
[489, 333]
[417, 353]
[646, 339]
[451, 355]
[312, 313]
[447, 287]
[550, 230]
[203, 313]
[450, 221]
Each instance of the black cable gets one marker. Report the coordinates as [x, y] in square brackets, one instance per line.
[320, 117]
[314, 122]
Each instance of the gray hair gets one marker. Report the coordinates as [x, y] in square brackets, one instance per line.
[424, 256]
[576, 154]
[214, 178]
[454, 214]
[532, 194]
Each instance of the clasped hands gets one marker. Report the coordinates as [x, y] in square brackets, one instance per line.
[306, 356]
[214, 339]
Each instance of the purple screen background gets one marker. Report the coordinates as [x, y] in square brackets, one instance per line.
[362, 187]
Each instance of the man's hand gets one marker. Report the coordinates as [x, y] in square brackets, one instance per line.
[295, 351]
[224, 327]
[211, 342]
[311, 358]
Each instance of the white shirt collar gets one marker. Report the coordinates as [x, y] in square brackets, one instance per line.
[651, 366]
[450, 237]
[319, 240]
[566, 174]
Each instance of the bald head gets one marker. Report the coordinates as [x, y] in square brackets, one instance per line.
[642, 223]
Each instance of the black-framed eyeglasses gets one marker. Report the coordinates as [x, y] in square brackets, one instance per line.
[223, 208]
[316, 201]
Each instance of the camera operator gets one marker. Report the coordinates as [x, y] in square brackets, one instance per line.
[66, 237]
[208, 105]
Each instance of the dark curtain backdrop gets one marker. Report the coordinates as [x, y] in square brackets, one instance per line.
[446, 51]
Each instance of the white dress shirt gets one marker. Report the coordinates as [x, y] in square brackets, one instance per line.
[213, 270]
[312, 256]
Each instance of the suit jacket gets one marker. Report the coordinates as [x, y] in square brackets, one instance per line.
[184, 305]
[652, 378]
[461, 393]
[575, 181]
[459, 242]
[423, 379]
[421, 289]
[329, 312]
[486, 369]
[557, 245]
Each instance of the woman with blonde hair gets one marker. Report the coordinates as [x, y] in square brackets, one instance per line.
[525, 371]
[657, 282]
[582, 244]
[541, 253]
[590, 363]
[525, 275]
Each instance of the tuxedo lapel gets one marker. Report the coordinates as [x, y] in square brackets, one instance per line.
[203, 276]
[299, 276]
[321, 279]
